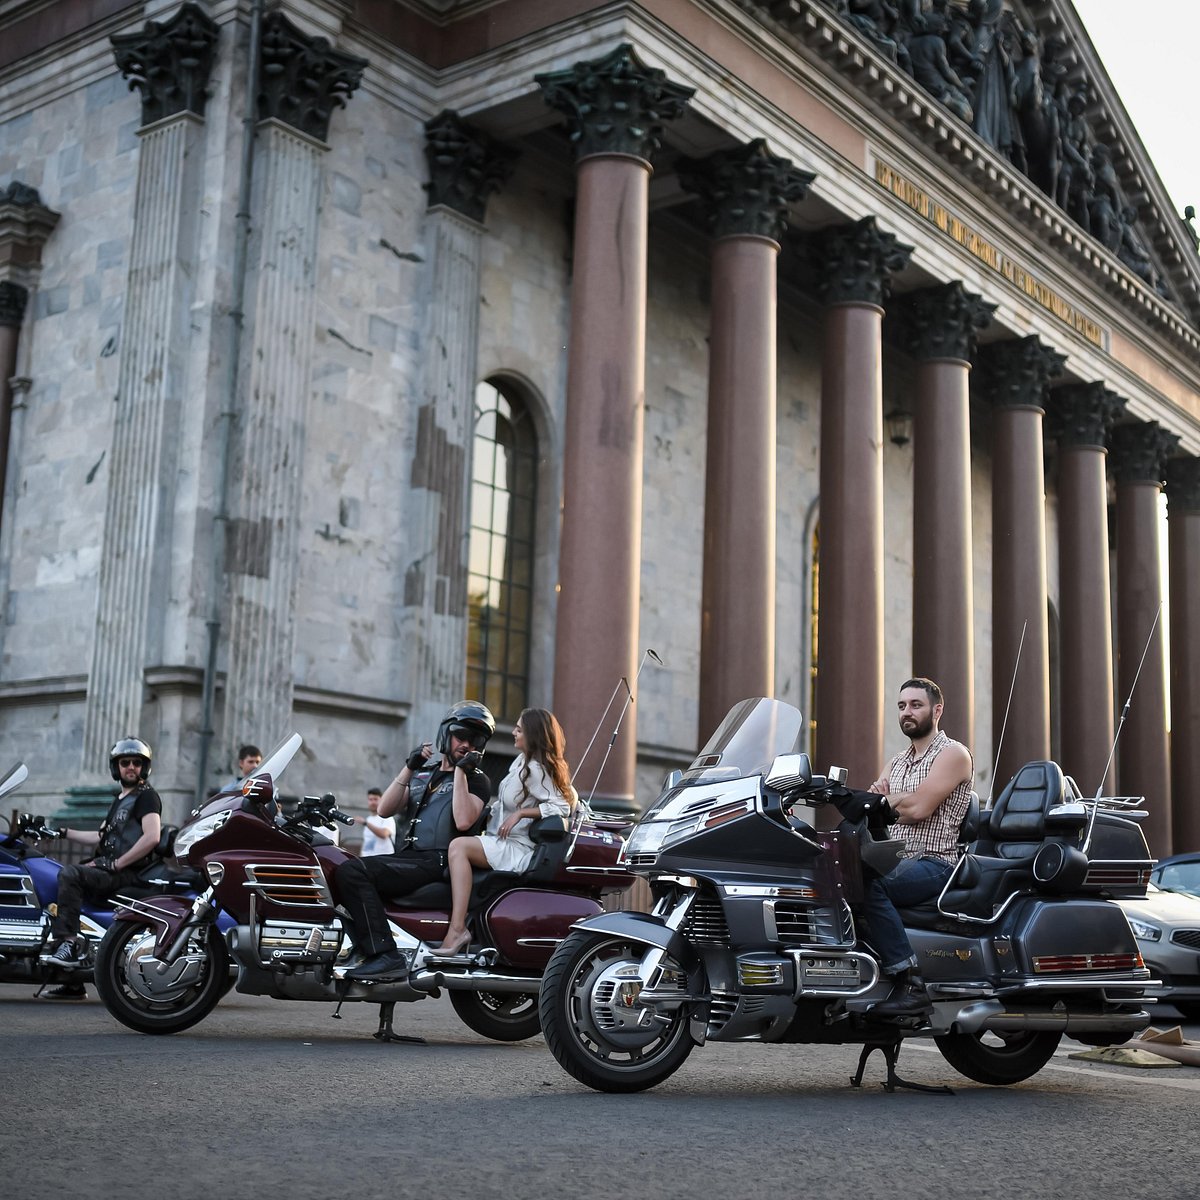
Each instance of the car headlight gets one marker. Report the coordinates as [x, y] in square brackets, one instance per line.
[189, 835]
[1144, 931]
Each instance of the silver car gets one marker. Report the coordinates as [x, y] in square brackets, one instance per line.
[1167, 927]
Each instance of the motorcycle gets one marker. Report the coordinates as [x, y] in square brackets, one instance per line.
[753, 934]
[274, 878]
[29, 887]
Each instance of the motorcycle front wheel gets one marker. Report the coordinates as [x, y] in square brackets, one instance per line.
[999, 1058]
[501, 1016]
[133, 990]
[591, 1020]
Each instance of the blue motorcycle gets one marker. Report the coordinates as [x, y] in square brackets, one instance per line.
[29, 889]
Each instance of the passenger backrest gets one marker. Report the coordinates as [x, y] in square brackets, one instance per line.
[968, 831]
[1017, 823]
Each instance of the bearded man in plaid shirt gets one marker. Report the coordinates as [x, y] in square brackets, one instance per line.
[928, 786]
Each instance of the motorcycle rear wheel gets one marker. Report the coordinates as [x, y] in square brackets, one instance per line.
[999, 1058]
[134, 993]
[501, 1016]
[592, 1033]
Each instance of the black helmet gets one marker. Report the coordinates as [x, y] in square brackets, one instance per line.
[130, 747]
[469, 719]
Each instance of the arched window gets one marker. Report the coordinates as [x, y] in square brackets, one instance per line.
[500, 584]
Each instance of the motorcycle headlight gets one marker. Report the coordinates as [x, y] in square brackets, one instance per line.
[1144, 930]
[645, 839]
[189, 835]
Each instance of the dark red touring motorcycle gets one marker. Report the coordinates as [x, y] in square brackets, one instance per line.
[164, 964]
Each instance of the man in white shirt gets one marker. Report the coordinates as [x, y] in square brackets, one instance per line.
[379, 833]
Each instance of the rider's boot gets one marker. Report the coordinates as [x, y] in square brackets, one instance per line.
[908, 998]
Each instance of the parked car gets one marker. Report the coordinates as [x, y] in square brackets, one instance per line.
[1179, 873]
[1167, 927]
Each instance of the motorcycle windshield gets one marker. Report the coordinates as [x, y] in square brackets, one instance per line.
[747, 741]
[13, 778]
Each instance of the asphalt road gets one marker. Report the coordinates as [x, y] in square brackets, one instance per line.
[270, 1098]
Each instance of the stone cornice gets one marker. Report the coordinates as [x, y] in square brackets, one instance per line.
[25, 224]
[808, 26]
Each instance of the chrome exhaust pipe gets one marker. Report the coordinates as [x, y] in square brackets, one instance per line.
[1068, 1022]
[473, 981]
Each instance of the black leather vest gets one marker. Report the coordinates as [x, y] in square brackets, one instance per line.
[119, 832]
[432, 826]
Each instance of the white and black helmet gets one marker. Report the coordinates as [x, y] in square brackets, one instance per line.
[468, 719]
[130, 747]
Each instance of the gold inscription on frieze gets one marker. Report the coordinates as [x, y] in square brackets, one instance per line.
[972, 241]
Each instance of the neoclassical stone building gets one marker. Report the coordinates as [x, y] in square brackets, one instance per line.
[361, 354]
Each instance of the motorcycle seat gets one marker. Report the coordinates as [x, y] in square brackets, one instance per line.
[549, 838]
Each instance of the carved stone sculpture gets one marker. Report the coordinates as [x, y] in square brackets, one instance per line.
[1139, 452]
[994, 118]
[854, 262]
[932, 70]
[465, 165]
[745, 191]
[942, 322]
[303, 78]
[1037, 115]
[616, 104]
[1105, 202]
[1083, 414]
[169, 62]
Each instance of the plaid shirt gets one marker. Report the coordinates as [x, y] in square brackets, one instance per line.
[937, 835]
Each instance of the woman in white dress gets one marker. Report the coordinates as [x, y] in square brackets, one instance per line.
[538, 784]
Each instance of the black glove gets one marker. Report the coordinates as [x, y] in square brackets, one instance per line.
[416, 760]
[105, 862]
[863, 806]
[471, 760]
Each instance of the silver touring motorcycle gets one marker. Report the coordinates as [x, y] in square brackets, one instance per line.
[753, 933]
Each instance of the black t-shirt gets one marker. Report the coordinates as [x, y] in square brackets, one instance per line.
[478, 784]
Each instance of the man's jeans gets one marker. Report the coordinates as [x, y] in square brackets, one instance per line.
[911, 881]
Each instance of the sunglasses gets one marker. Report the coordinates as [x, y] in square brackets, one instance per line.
[129, 762]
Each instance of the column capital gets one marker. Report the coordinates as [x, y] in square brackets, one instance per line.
[465, 165]
[169, 62]
[13, 298]
[854, 261]
[615, 104]
[745, 191]
[1183, 485]
[1017, 372]
[1083, 414]
[303, 78]
[25, 224]
[1140, 451]
[941, 322]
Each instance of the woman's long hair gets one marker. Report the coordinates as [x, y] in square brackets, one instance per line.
[546, 743]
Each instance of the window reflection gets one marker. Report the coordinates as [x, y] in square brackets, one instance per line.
[500, 558]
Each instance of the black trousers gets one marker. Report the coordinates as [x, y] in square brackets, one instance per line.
[75, 882]
[363, 884]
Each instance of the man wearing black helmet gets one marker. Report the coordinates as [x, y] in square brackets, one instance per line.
[445, 798]
[123, 844]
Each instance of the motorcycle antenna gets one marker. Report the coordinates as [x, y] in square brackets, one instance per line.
[612, 741]
[1087, 841]
[1012, 687]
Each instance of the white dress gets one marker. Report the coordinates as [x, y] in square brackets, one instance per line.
[514, 852]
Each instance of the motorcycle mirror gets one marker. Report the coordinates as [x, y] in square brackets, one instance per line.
[789, 771]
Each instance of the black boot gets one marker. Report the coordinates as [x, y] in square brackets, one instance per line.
[908, 998]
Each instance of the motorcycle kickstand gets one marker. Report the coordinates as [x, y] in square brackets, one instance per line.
[385, 1032]
[891, 1052]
